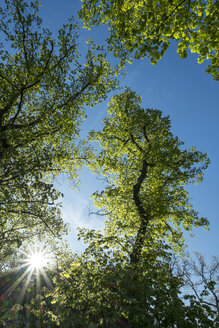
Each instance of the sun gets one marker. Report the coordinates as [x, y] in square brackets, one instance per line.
[37, 260]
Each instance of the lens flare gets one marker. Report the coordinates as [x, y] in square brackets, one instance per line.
[34, 263]
[37, 260]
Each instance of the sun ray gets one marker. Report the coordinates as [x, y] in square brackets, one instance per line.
[24, 288]
[17, 282]
[17, 268]
[46, 278]
[34, 263]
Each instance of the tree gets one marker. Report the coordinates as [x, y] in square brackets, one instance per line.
[44, 90]
[146, 169]
[205, 284]
[145, 28]
[102, 288]
[125, 277]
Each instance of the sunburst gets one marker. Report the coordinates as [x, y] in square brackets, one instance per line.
[35, 261]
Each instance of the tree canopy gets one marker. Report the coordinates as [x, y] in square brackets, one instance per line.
[44, 91]
[134, 273]
[126, 276]
[101, 288]
[147, 169]
[146, 28]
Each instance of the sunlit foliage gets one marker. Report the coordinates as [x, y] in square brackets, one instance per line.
[146, 28]
[147, 169]
[128, 275]
[44, 90]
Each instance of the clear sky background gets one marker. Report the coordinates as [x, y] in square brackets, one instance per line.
[179, 88]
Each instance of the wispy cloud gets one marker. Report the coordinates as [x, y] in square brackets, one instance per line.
[76, 214]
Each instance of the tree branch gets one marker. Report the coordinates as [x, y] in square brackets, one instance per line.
[136, 252]
[36, 215]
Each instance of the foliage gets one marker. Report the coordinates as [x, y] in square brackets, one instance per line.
[146, 169]
[102, 288]
[146, 27]
[44, 90]
[21, 285]
[125, 277]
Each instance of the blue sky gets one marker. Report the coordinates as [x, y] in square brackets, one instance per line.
[182, 90]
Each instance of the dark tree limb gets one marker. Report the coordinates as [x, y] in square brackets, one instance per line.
[137, 248]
